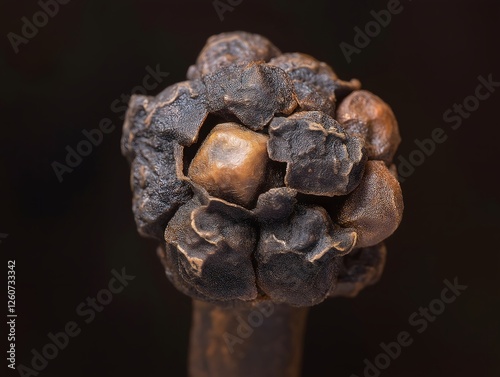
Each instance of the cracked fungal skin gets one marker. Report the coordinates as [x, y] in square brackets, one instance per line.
[314, 145]
[264, 176]
[268, 89]
[315, 83]
[299, 258]
[214, 243]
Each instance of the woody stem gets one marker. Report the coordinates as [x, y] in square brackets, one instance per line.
[253, 340]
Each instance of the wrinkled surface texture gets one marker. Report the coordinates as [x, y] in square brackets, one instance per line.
[264, 176]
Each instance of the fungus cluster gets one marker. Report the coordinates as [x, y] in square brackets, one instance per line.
[264, 176]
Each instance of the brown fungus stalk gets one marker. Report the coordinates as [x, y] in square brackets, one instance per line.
[268, 182]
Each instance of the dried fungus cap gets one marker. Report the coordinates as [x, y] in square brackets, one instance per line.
[299, 258]
[214, 243]
[153, 130]
[231, 163]
[178, 112]
[252, 93]
[315, 83]
[231, 48]
[241, 212]
[375, 208]
[365, 115]
[322, 159]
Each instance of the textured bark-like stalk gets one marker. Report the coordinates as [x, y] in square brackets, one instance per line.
[247, 341]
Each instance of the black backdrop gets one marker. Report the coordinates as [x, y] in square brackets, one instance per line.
[67, 237]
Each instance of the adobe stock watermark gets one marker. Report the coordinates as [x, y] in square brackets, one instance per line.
[94, 137]
[419, 320]
[372, 29]
[246, 326]
[454, 116]
[223, 6]
[30, 28]
[257, 316]
[86, 311]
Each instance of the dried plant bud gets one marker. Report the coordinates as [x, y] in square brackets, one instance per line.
[298, 259]
[214, 247]
[375, 208]
[364, 114]
[231, 163]
[315, 82]
[253, 93]
[321, 158]
[359, 269]
[231, 48]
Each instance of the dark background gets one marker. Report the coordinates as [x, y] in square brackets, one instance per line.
[67, 237]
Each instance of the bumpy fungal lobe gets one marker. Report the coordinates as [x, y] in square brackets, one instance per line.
[364, 114]
[315, 83]
[178, 112]
[134, 124]
[214, 243]
[158, 192]
[322, 159]
[225, 49]
[299, 258]
[375, 208]
[264, 176]
[153, 132]
[252, 93]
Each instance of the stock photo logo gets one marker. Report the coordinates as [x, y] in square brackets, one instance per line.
[372, 29]
[455, 116]
[94, 137]
[419, 321]
[31, 27]
[246, 326]
[223, 6]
